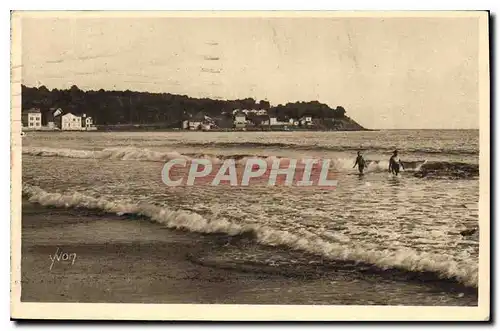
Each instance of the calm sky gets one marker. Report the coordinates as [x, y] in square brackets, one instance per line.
[386, 72]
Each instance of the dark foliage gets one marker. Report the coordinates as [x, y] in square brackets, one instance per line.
[128, 107]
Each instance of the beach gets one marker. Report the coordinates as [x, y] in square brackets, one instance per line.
[376, 239]
[123, 260]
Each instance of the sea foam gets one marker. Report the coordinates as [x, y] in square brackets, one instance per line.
[465, 272]
[141, 154]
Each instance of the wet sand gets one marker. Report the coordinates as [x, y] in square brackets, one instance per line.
[116, 260]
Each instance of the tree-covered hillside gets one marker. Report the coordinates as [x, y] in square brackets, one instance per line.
[128, 107]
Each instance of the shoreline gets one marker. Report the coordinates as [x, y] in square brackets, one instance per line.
[120, 259]
[182, 130]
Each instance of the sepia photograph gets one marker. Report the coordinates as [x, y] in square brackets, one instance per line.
[250, 165]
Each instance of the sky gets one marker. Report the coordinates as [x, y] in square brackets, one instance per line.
[387, 72]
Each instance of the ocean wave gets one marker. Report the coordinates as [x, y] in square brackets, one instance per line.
[141, 154]
[119, 153]
[337, 148]
[420, 168]
[405, 259]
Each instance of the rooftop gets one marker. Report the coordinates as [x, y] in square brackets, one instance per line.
[31, 111]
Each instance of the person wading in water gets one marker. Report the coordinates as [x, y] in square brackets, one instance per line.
[360, 162]
[395, 163]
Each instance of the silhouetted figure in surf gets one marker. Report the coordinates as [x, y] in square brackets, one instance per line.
[360, 162]
[395, 163]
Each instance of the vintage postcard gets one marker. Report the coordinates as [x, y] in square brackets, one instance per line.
[250, 166]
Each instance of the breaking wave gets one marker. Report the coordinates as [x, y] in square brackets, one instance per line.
[337, 148]
[138, 154]
[420, 168]
[155, 156]
[405, 259]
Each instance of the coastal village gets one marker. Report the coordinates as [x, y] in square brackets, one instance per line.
[240, 119]
[243, 119]
[54, 120]
[76, 110]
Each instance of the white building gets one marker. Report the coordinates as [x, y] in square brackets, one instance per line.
[306, 120]
[194, 125]
[273, 120]
[35, 120]
[240, 120]
[195, 122]
[71, 122]
[32, 119]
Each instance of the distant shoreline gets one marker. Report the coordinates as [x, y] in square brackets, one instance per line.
[151, 129]
[200, 131]
[229, 130]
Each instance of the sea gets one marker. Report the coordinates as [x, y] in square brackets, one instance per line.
[376, 233]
